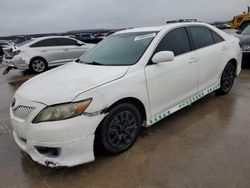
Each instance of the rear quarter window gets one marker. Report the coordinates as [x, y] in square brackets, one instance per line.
[217, 37]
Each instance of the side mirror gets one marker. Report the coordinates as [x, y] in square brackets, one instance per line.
[163, 56]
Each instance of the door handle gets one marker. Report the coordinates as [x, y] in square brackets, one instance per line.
[193, 59]
[43, 50]
[66, 50]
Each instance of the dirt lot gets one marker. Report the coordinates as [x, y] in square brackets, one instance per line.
[204, 145]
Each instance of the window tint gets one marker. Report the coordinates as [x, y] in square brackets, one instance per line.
[67, 42]
[45, 43]
[202, 36]
[217, 38]
[176, 41]
[120, 49]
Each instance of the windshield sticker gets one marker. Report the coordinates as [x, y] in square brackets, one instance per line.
[151, 35]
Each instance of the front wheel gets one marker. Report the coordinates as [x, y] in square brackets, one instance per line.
[120, 128]
[227, 79]
[38, 65]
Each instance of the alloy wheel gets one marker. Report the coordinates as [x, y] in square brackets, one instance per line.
[227, 79]
[38, 66]
[122, 130]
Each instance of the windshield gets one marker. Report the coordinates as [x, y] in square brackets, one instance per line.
[246, 31]
[119, 49]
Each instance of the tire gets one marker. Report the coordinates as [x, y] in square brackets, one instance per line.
[227, 79]
[119, 129]
[38, 65]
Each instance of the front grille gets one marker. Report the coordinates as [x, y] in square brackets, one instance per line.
[22, 112]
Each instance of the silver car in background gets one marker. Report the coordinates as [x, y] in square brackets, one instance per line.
[40, 53]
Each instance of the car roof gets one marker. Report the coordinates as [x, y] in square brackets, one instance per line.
[49, 37]
[159, 28]
[37, 39]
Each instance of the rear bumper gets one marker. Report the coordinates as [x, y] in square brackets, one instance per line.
[16, 62]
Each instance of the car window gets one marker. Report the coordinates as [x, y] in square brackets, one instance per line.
[46, 43]
[120, 49]
[217, 37]
[246, 30]
[176, 41]
[201, 36]
[67, 42]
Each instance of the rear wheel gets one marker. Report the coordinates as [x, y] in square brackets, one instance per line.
[120, 128]
[38, 65]
[227, 79]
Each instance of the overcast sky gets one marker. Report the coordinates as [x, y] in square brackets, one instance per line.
[39, 16]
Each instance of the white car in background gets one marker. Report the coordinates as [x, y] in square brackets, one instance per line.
[131, 79]
[40, 53]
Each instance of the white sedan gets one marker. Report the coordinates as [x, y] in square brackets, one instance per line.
[40, 53]
[133, 78]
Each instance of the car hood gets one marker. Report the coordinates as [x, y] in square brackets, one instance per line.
[64, 83]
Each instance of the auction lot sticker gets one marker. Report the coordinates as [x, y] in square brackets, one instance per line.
[150, 35]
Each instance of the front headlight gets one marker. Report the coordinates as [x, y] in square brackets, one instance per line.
[246, 47]
[62, 111]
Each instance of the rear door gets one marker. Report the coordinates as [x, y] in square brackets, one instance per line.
[72, 49]
[172, 82]
[50, 50]
[211, 49]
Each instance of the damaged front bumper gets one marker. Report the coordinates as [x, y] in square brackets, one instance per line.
[64, 143]
[58, 154]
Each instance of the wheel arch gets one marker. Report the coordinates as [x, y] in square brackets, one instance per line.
[38, 57]
[131, 100]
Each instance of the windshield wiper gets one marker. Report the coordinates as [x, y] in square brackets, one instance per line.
[94, 63]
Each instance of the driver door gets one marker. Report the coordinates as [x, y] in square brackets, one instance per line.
[170, 83]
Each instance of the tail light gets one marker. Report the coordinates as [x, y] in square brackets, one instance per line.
[15, 52]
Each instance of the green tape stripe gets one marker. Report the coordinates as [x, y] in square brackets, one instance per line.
[183, 104]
